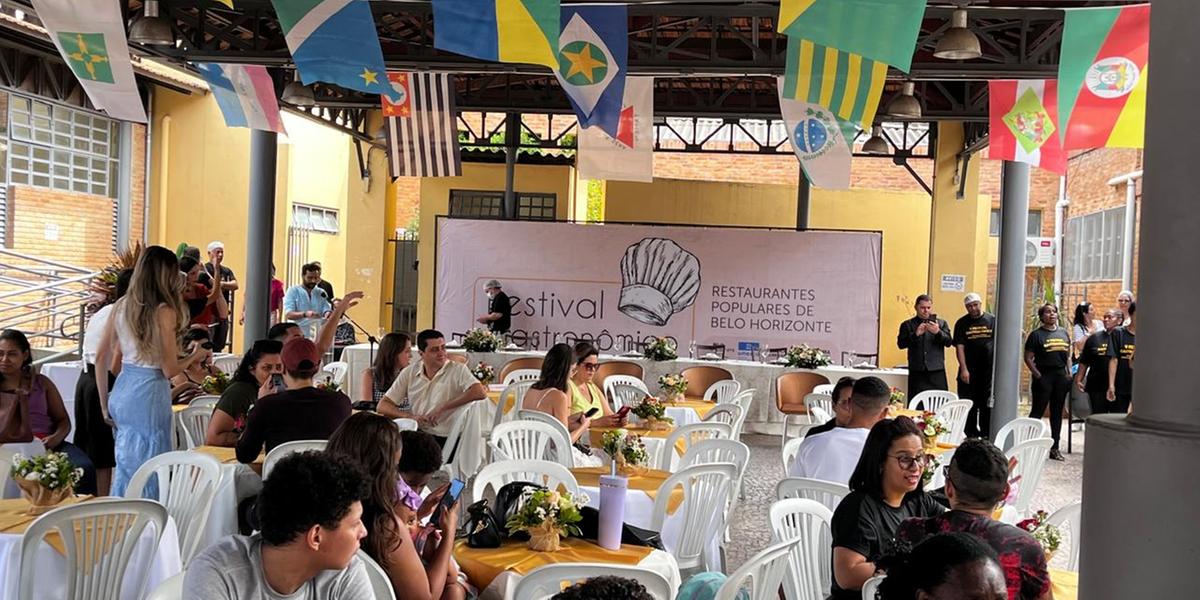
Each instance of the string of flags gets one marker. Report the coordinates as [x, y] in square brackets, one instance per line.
[836, 68]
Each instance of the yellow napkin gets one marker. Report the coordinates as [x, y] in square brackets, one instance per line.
[649, 482]
[482, 565]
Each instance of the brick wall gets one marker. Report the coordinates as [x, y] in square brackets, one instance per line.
[137, 195]
[62, 226]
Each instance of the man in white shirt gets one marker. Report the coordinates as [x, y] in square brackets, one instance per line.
[832, 456]
[432, 390]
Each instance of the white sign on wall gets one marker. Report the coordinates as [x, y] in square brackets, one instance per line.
[954, 283]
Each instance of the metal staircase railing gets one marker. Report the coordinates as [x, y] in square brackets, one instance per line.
[46, 300]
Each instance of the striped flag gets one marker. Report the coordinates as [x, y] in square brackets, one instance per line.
[421, 128]
[845, 83]
[245, 94]
[1023, 123]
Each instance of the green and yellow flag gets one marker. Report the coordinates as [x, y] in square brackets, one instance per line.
[845, 83]
[881, 30]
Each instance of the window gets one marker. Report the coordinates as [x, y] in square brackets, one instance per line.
[1033, 229]
[1094, 246]
[490, 205]
[314, 218]
[61, 148]
[535, 207]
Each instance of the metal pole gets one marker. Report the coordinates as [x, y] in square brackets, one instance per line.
[803, 191]
[260, 232]
[512, 139]
[1010, 294]
[1130, 232]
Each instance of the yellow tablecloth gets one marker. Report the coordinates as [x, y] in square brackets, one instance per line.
[648, 482]
[229, 456]
[700, 405]
[904, 412]
[596, 435]
[482, 565]
[1065, 584]
[178, 408]
[13, 519]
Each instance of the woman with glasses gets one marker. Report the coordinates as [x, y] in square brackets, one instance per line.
[885, 489]
[586, 395]
[549, 395]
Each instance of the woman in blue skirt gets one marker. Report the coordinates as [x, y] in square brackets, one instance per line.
[144, 333]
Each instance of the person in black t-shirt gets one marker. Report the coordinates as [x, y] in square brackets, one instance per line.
[926, 338]
[1092, 376]
[499, 314]
[1121, 348]
[1048, 356]
[974, 334]
[841, 412]
[229, 284]
[885, 490]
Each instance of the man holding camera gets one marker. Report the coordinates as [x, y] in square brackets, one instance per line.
[926, 338]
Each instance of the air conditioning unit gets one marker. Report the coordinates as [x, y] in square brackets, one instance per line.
[1039, 252]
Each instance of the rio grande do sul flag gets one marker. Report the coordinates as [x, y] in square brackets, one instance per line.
[1023, 123]
[1102, 74]
[819, 139]
[90, 37]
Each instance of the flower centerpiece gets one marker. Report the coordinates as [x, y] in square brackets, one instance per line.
[931, 427]
[215, 384]
[484, 373]
[932, 464]
[547, 516]
[806, 357]
[482, 340]
[673, 386]
[329, 385]
[1046, 534]
[653, 413]
[45, 480]
[898, 400]
[660, 349]
[628, 452]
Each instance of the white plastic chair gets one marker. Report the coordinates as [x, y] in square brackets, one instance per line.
[287, 448]
[825, 389]
[723, 391]
[760, 576]
[811, 561]
[548, 580]
[821, 401]
[726, 413]
[381, 586]
[530, 375]
[8, 488]
[337, 371]
[931, 400]
[114, 524]
[790, 449]
[511, 397]
[1031, 458]
[227, 364]
[690, 434]
[623, 394]
[1067, 519]
[208, 400]
[542, 472]
[187, 483]
[549, 419]
[628, 380]
[527, 439]
[706, 490]
[170, 589]
[954, 415]
[828, 493]
[406, 424]
[707, 452]
[743, 397]
[193, 421]
[871, 587]
[1020, 430]
[459, 447]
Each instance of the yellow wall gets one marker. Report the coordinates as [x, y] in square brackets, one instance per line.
[435, 200]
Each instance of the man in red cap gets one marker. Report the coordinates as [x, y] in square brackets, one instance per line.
[300, 412]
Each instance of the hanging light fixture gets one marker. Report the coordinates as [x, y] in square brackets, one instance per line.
[298, 94]
[151, 29]
[959, 42]
[876, 144]
[905, 105]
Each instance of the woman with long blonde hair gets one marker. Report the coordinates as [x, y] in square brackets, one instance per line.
[144, 334]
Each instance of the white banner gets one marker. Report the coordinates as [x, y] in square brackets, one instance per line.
[630, 156]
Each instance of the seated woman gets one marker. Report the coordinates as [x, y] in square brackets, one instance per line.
[549, 395]
[586, 395]
[885, 489]
[189, 383]
[374, 442]
[254, 372]
[394, 354]
[47, 414]
[948, 565]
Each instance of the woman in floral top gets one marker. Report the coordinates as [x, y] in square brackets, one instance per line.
[229, 417]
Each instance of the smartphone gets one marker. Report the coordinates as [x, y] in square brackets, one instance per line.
[591, 413]
[623, 411]
[277, 382]
[448, 500]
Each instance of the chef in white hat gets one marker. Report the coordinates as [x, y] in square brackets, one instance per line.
[499, 314]
[974, 336]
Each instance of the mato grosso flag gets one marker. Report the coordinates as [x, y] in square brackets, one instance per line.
[1102, 74]
[593, 50]
[90, 37]
[1023, 123]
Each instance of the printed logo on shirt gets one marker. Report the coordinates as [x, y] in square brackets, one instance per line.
[1056, 345]
[1126, 351]
[978, 332]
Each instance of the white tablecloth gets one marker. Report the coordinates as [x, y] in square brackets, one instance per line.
[65, 375]
[51, 566]
[237, 482]
[639, 512]
[501, 588]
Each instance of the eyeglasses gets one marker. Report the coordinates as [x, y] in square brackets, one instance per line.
[591, 366]
[907, 462]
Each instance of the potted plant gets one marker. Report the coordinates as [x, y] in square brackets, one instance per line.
[547, 516]
[484, 373]
[661, 349]
[482, 340]
[215, 384]
[45, 480]
[628, 452]
[673, 386]
[806, 357]
[1046, 534]
[652, 413]
[931, 427]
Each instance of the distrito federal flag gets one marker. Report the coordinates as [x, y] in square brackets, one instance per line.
[628, 156]
[819, 139]
[1023, 123]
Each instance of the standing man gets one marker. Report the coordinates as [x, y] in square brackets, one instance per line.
[1120, 363]
[229, 283]
[499, 314]
[926, 338]
[324, 285]
[306, 304]
[1092, 376]
[974, 335]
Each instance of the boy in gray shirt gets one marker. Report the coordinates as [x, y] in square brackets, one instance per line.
[310, 511]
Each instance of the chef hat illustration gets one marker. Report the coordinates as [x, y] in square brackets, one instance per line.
[658, 279]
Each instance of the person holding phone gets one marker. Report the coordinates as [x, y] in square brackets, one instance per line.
[258, 366]
[585, 395]
[549, 395]
[926, 338]
[190, 383]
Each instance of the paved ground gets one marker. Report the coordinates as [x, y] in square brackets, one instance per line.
[1061, 484]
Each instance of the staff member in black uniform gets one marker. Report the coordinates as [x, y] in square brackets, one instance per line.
[1048, 356]
[1120, 363]
[974, 336]
[1092, 376]
[926, 338]
[499, 314]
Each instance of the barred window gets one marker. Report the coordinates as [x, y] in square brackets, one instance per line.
[478, 204]
[61, 148]
[1094, 246]
[315, 218]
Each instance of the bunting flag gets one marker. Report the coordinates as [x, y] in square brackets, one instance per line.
[334, 41]
[881, 30]
[820, 140]
[593, 50]
[421, 128]
[90, 37]
[1102, 75]
[1023, 123]
[628, 156]
[245, 94]
[517, 31]
[847, 84]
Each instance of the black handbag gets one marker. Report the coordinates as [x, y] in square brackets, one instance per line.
[589, 529]
[481, 527]
[509, 500]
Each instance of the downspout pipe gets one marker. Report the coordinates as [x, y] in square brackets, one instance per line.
[1059, 207]
[1130, 182]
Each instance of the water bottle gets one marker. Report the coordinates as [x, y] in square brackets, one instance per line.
[612, 511]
